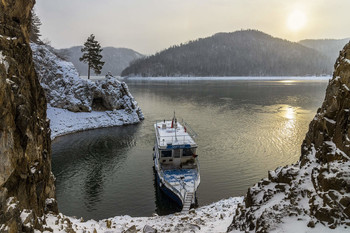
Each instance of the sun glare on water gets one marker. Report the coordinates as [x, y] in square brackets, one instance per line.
[296, 20]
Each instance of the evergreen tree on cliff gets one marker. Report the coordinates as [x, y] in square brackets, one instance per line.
[35, 24]
[92, 55]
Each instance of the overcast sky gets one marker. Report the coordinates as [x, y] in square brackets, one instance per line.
[148, 26]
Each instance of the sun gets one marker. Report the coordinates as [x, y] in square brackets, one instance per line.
[296, 20]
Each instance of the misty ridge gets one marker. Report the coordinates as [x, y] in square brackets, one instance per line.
[241, 53]
[116, 59]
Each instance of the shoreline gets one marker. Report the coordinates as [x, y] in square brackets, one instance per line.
[57, 136]
[228, 78]
[212, 78]
[215, 217]
[64, 122]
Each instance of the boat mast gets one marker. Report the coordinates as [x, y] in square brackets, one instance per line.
[175, 125]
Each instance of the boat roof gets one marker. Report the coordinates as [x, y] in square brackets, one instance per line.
[168, 139]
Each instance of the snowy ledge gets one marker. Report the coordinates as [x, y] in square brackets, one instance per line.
[63, 122]
[215, 217]
[233, 78]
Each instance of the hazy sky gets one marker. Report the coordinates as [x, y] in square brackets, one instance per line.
[148, 26]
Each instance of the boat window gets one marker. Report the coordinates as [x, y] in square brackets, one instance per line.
[177, 153]
[189, 151]
[166, 153]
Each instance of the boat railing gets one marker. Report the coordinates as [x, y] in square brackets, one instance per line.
[197, 174]
[194, 186]
[182, 184]
[189, 129]
[183, 190]
[191, 133]
[183, 139]
[179, 192]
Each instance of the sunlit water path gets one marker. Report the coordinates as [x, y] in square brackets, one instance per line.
[245, 129]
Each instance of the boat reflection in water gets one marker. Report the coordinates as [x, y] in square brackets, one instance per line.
[92, 170]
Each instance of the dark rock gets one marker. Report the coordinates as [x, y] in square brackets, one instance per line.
[281, 187]
[131, 229]
[265, 182]
[24, 131]
[149, 229]
[51, 205]
[347, 211]
[345, 201]
[311, 224]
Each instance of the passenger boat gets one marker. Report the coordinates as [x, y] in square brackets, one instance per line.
[176, 161]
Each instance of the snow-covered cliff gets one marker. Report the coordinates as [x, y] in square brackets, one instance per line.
[77, 104]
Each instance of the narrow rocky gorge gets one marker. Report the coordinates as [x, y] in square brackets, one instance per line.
[27, 188]
[315, 190]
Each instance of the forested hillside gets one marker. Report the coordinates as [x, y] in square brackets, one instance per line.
[241, 53]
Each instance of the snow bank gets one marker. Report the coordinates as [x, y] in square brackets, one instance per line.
[252, 78]
[215, 217]
[212, 218]
[63, 122]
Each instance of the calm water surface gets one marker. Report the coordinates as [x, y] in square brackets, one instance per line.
[245, 129]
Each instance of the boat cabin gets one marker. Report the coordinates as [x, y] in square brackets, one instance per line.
[175, 145]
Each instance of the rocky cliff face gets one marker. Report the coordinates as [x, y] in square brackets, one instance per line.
[65, 89]
[316, 190]
[26, 181]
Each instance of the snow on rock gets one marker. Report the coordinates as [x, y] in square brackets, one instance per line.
[229, 78]
[312, 195]
[212, 218]
[64, 122]
[61, 82]
[65, 89]
[75, 104]
[4, 62]
[27, 217]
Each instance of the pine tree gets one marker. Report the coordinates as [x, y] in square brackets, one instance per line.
[92, 55]
[35, 24]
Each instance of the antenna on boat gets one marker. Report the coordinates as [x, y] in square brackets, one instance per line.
[175, 125]
[172, 121]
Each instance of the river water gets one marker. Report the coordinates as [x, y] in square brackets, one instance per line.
[245, 128]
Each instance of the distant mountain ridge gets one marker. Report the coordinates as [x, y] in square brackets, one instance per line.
[116, 59]
[240, 53]
[328, 47]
